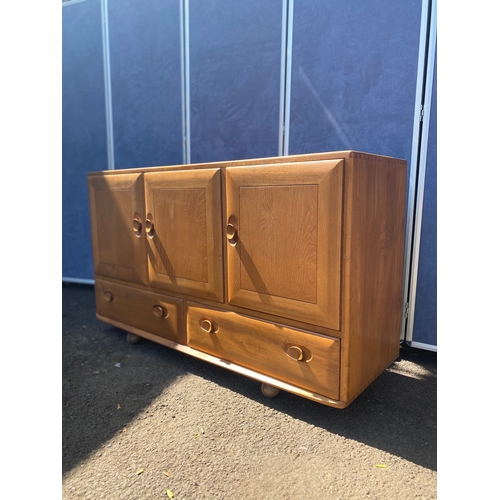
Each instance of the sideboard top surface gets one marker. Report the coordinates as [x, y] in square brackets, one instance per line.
[332, 155]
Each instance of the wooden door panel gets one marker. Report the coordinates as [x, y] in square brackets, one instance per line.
[116, 212]
[183, 257]
[296, 241]
[185, 242]
[285, 257]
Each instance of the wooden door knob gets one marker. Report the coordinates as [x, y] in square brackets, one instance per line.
[137, 226]
[149, 227]
[231, 232]
[160, 312]
[108, 297]
[295, 352]
[208, 326]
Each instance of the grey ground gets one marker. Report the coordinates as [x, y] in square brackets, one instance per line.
[138, 420]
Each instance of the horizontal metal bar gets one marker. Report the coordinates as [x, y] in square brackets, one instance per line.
[420, 345]
[72, 2]
[78, 280]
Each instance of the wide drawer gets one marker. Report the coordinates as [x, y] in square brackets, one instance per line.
[149, 311]
[301, 358]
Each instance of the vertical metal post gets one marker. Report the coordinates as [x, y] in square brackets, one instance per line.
[285, 79]
[416, 179]
[107, 85]
[419, 204]
[185, 85]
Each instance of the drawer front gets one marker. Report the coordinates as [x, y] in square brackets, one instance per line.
[152, 312]
[303, 359]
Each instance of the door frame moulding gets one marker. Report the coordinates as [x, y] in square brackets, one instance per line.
[425, 76]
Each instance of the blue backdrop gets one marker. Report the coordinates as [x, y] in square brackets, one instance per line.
[353, 82]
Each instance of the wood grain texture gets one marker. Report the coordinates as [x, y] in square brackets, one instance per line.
[118, 243]
[157, 313]
[263, 347]
[286, 260]
[279, 224]
[181, 233]
[185, 251]
[373, 252]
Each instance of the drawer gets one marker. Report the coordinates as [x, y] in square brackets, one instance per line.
[300, 358]
[152, 312]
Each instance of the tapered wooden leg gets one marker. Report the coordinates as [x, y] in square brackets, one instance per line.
[269, 391]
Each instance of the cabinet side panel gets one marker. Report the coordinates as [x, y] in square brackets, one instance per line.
[375, 197]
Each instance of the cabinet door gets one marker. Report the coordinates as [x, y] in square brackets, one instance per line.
[118, 240]
[184, 232]
[284, 239]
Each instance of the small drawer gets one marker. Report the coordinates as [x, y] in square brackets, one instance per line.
[152, 312]
[300, 358]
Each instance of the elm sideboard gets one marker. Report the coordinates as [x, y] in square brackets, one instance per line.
[288, 270]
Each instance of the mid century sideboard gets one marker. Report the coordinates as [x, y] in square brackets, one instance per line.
[288, 270]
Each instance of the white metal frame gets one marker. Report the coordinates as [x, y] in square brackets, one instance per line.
[185, 82]
[285, 78]
[78, 280]
[427, 54]
[107, 86]
[72, 2]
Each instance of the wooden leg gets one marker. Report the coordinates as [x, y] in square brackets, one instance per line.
[133, 339]
[269, 391]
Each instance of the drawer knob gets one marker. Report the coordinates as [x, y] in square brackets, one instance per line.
[295, 352]
[137, 226]
[160, 312]
[108, 297]
[208, 326]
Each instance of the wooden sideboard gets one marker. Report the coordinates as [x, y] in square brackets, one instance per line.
[288, 270]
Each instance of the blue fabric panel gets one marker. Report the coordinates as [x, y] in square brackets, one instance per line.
[235, 52]
[425, 322]
[145, 59]
[354, 74]
[83, 130]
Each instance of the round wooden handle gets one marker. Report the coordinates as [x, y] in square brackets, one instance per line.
[207, 326]
[137, 225]
[149, 227]
[231, 232]
[108, 297]
[295, 352]
[160, 312]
